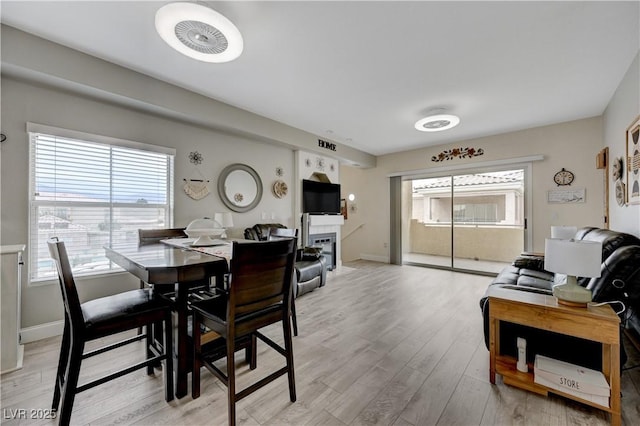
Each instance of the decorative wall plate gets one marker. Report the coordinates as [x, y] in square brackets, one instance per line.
[620, 193]
[618, 168]
[279, 188]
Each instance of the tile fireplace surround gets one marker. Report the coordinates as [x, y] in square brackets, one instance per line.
[323, 224]
[328, 243]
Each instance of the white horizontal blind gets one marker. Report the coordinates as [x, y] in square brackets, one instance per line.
[89, 194]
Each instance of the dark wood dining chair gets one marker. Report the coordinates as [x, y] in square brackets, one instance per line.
[154, 236]
[99, 318]
[279, 234]
[259, 294]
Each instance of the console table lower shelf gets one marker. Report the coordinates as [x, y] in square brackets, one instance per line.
[506, 367]
[599, 324]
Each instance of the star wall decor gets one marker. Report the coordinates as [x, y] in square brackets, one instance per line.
[195, 157]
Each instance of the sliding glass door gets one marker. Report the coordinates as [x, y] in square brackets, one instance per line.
[428, 221]
[472, 221]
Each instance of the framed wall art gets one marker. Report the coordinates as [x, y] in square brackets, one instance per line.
[633, 162]
[567, 195]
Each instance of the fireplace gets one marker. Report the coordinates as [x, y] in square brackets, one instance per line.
[323, 231]
[327, 242]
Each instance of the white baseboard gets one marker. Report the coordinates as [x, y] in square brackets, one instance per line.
[42, 331]
[18, 364]
[374, 258]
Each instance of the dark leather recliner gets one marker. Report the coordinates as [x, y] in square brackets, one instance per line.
[310, 268]
[619, 281]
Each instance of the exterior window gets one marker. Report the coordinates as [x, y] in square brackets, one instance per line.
[491, 198]
[480, 212]
[89, 193]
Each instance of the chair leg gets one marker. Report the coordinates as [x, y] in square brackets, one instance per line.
[168, 363]
[62, 365]
[294, 318]
[252, 352]
[142, 285]
[231, 380]
[197, 354]
[149, 339]
[70, 382]
[288, 346]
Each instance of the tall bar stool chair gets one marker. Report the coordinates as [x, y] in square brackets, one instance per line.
[259, 294]
[274, 234]
[99, 318]
[154, 236]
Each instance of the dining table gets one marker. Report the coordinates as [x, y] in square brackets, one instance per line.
[177, 268]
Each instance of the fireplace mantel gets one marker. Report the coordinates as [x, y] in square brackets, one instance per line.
[326, 219]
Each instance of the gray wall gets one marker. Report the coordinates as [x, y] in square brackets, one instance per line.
[46, 83]
[623, 109]
[22, 102]
[572, 145]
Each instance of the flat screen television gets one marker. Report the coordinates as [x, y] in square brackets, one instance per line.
[320, 197]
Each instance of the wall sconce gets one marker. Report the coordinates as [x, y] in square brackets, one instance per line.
[352, 198]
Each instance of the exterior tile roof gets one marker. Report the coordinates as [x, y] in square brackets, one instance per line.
[512, 176]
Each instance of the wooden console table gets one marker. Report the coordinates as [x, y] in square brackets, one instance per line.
[599, 324]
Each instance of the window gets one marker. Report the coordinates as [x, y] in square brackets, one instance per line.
[90, 191]
[475, 212]
[480, 198]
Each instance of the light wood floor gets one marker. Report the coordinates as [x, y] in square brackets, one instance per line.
[380, 344]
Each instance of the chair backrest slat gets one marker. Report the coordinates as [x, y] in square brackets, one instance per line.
[261, 275]
[280, 233]
[70, 298]
[152, 236]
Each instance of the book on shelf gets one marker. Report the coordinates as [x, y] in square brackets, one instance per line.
[584, 383]
[207, 335]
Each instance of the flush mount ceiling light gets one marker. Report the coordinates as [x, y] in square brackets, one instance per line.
[199, 32]
[437, 123]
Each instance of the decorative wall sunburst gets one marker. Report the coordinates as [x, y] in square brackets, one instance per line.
[195, 157]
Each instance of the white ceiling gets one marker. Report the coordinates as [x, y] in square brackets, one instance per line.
[362, 73]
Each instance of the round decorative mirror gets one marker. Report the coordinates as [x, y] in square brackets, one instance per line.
[239, 187]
